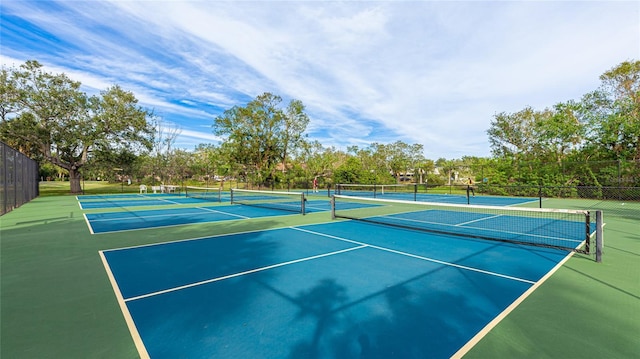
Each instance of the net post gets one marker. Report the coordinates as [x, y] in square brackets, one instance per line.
[540, 196]
[231, 195]
[415, 192]
[588, 232]
[599, 236]
[302, 202]
[333, 207]
[220, 194]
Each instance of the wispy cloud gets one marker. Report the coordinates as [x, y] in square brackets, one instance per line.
[422, 72]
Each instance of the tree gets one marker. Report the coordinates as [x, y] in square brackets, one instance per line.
[559, 132]
[403, 158]
[260, 136]
[208, 162]
[112, 165]
[51, 116]
[612, 114]
[295, 123]
[511, 135]
[162, 150]
[351, 172]
[319, 162]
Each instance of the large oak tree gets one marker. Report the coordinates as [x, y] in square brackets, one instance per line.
[48, 117]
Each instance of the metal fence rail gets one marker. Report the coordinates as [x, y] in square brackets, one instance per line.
[18, 179]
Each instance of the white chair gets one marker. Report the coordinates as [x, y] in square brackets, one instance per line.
[143, 188]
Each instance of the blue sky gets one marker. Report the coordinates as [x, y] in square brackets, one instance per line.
[428, 72]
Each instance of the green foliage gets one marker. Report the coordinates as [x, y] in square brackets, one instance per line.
[261, 136]
[591, 142]
[48, 117]
[558, 146]
[349, 172]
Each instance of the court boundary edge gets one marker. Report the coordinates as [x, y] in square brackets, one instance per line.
[185, 224]
[199, 238]
[493, 323]
[86, 220]
[135, 335]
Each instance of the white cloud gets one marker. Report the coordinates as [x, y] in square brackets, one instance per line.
[428, 72]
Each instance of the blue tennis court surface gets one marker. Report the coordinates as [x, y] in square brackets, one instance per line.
[444, 198]
[163, 199]
[146, 219]
[342, 289]
[134, 200]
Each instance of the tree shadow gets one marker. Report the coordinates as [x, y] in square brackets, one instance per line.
[398, 321]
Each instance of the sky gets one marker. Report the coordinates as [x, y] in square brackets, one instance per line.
[423, 72]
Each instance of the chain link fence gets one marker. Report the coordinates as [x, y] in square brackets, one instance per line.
[622, 201]
[18, 179]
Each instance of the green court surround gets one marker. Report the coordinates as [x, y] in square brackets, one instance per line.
[57, 302]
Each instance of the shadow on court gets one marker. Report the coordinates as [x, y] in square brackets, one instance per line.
[404, 329]
[416, 318]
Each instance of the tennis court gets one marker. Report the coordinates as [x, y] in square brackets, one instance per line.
[410, 192]
[147, 199]
[156, 218]
[134, 201]
[348, 289]
[244, 204]
[198, 195]
[309, 293]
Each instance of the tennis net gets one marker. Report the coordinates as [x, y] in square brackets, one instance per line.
[204, 193]
[285, 201]
[555, 228]
[396, 191]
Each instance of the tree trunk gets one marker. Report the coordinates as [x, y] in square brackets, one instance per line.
[74, 180]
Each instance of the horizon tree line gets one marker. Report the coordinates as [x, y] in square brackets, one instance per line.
[591, 141]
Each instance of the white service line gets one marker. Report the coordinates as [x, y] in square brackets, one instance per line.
[242, 273]
[419, 257]
[228, 214]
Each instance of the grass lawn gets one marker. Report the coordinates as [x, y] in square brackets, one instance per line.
[60, 188]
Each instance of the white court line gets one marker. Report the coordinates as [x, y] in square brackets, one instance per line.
[560, 239]
[143, 217]
[473, 341]
[178, 225]
[193, 239]
[419, 257]
[316, 208]
[517, 204]
[166, 215]
[137, 339]
[88, 223]
[172, 202]
[242, 273]
[223, 212]
[478, 220]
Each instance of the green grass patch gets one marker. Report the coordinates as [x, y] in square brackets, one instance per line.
[62, 188]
